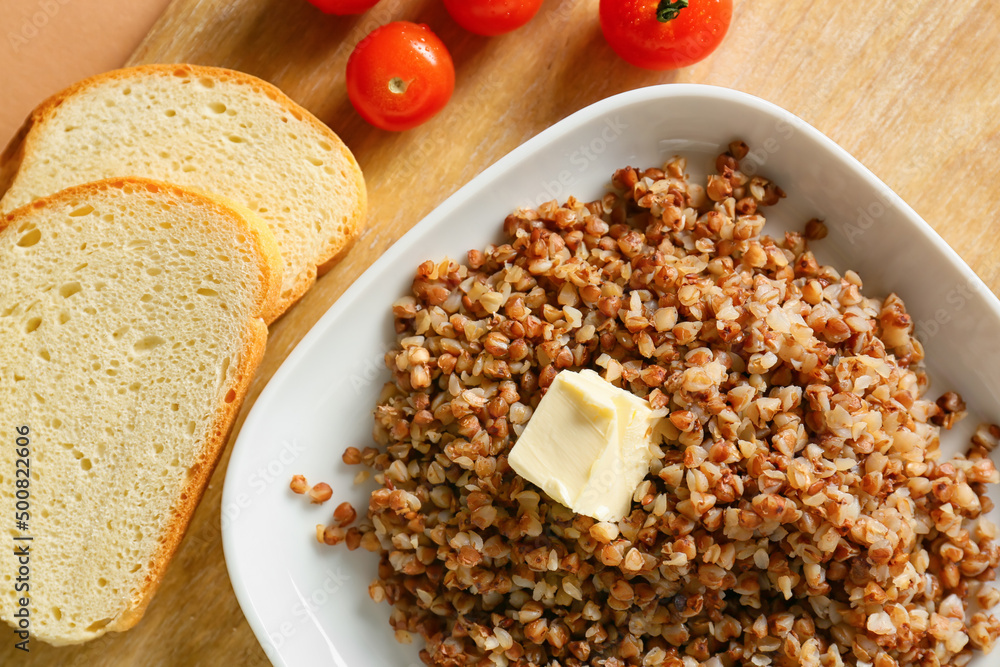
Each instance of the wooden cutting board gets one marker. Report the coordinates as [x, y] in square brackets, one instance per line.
[909, 87]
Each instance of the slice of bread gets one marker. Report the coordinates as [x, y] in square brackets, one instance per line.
[214, 130]
[130, 328]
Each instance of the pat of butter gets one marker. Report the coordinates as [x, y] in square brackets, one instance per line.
[587, 445]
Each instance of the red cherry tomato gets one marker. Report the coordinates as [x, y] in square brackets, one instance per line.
[492, 17]
[660, 34]
[344, 7]
[399, 76]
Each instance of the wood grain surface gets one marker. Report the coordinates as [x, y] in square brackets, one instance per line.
[910, 87]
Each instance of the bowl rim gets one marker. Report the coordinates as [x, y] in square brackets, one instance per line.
[616, 103]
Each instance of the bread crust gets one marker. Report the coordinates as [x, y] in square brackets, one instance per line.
[252, 347]
[13, 154]
[21, 148]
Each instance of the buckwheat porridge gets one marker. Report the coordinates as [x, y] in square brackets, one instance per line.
[797, 510]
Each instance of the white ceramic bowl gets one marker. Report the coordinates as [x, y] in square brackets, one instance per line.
[308, 603]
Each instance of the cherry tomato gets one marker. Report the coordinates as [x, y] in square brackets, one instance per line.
[399, 76]
[660, 34]
[492, 17]
[344, 7]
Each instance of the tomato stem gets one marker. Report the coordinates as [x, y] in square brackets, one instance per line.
[668, 11]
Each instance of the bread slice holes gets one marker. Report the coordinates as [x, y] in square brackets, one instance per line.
[146, 298]
[57, 613]
[86, 464]
[135, 568]
[81, 212]
[169, 113]
[102, 582]
[127, 91]
[187, 169]
[98, 625]
[148, 344]
[236, 139]
[230, 396]
[9, 310]
[204, 291]
[33, 325]
[117, 335]
[325, 146]
[154, 271]
[315, 161]
[217, 107]
[190, 429]
[69, 289]
[207, 82]
[135, 386]
[44, 354]
[30, 239]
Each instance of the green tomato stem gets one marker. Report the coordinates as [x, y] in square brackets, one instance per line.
[668, 11]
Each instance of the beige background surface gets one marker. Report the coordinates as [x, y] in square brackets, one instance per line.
[910, 87]
[45, 45]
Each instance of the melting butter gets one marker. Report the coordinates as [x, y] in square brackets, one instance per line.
[588, 445]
